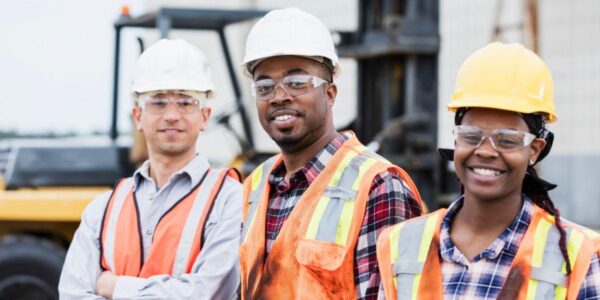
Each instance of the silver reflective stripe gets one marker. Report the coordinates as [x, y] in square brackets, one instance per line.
[549, 275]
[111, 230]
[409, 243]
[254, 197]
[339, 194]
[191, 224]
[407, 267]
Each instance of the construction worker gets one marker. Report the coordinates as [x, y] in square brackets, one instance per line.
[313, 213]
[503, 238]
[171, 231]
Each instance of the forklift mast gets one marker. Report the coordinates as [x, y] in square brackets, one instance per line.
[396, 48]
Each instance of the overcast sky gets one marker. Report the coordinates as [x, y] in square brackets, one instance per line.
[56, 65]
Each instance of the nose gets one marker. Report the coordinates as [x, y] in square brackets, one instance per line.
[280, 94]
[486, 148]
[171, 112]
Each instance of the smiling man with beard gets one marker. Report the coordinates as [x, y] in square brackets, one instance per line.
[313, 213]
[171, 231]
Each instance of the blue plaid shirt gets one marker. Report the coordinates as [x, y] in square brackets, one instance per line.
[484, 276]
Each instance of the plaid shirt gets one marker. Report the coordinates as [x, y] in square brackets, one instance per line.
[390, 202]
[484, 276]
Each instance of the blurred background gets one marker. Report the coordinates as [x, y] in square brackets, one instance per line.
[65, 124]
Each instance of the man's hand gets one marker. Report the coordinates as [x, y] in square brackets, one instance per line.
[105, 285]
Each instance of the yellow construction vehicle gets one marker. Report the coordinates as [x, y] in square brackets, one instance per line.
[45, 185]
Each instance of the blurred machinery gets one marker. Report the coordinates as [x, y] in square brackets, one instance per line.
[45, 185]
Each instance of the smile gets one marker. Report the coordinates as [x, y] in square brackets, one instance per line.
[283, 117]
[486, 172]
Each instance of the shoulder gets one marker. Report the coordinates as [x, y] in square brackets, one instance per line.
[94, 211]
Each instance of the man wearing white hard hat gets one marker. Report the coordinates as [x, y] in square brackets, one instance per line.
[171, 231]
[312, 214]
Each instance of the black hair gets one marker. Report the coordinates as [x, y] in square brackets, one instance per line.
[533, 186]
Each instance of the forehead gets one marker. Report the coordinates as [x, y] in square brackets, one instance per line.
[279, 66]
[494, 119]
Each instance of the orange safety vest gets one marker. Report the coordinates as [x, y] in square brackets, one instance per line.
[409, 262]
[178, 236]
[313, 255]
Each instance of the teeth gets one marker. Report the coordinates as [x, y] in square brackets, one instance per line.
[283, 117]
[486, 172]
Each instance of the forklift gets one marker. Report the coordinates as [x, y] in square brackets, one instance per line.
[46, 188]
[46, 184]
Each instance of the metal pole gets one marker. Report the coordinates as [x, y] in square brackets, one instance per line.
[236, 89]
[115, 103]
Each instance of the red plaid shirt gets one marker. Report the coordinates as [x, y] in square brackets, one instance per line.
[390, 202]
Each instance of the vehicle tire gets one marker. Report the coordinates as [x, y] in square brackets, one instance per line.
[29, 268]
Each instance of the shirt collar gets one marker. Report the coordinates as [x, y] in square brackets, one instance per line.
[194, 170]
[317, 164]
[508, 240]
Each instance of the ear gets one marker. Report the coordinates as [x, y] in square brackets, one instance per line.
[206, 111]
[137, 117]
[331, 92]
[536, 148]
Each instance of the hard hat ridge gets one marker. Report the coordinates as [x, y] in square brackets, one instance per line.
[289, 31]
[507, 77]
[173, 65]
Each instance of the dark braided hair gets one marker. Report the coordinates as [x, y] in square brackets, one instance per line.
[533, 186]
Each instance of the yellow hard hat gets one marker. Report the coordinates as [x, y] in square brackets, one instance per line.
[507, 77]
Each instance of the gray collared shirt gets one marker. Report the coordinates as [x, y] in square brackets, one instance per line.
[215, 273]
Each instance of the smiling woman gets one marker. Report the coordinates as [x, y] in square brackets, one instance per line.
[503, 238]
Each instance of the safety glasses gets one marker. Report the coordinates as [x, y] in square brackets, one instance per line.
[502, 140]
[295, 85]
[186, 102]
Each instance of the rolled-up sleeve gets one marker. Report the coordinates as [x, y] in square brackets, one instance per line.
[82, 264]
[215, 273]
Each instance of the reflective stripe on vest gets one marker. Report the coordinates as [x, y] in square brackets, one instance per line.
[170, 253]
[333, 215]
[259, 178]
[405, 247]
[548, 279]
[409, 257]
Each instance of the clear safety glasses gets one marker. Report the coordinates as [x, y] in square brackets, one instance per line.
[295, 85]
[186, 102]
[502, 140]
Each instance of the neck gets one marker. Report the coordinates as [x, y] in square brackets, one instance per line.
[483, 216]
[162, 167]
[295, 160]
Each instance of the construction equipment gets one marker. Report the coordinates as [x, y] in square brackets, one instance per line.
[396, 47]
[45, 185]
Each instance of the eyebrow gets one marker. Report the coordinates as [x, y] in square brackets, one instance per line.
[293, 71]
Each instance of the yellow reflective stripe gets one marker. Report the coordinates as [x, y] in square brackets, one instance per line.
[415, 287]
[394, 242]
[540, 236]
[533, 283]
[343, 229]
[394, 247]
[560, 292]
[361, 148]
[573, 246]
[427, 237]
[256, 177]
[341, 168]
[364, 167]
[311, 232]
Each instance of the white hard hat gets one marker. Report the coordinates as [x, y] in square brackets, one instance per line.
[173, 65]
[289, 31]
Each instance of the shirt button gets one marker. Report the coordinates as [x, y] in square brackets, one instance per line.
[149, 232]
